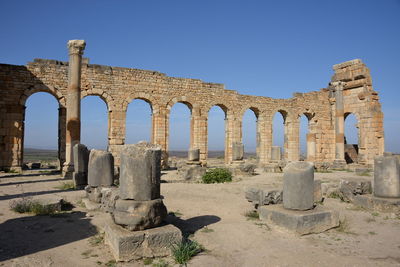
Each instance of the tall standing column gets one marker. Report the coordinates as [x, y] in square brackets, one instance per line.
[339, 121]
[73, 134]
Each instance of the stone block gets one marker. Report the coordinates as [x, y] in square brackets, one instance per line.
[192, 172]
[387, 176]
[140, 172]
[371, 202]
[237, 151]
[100, 168]
[298, 186]
[194, 154]
[349, 189]
[81, 158]
[317, 191]
[139, 215]
[93, 193]
[300, 222]
[259, 196]
[156, 242]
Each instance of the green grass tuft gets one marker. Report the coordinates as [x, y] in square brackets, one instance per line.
[217, 175]
[66, 186]
[252, 215]
[184, 251]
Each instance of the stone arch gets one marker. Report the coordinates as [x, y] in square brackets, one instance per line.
[142, 96]
[352, 150]
[46, 89]
[225, 108]
[255, 110]
[190, 103]
[103, 96]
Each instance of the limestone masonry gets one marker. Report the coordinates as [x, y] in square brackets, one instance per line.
[349, 92]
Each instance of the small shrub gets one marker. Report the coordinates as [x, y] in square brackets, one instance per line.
[21, 206]
[160, 263]
[147, 261]
[40, 209]
[96, 240]
[252, 215]
[184, 251]
[218, 175]
[365, 173]
[25, 205]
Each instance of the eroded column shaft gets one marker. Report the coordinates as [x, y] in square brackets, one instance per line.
[73, 129]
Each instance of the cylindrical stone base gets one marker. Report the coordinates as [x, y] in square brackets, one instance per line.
[387, 176]
[298, 186]
[101, 168]
[194, 154]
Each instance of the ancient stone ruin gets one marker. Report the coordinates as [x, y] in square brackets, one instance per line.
[350, 91]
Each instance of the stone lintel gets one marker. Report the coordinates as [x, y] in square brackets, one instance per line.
[306, 222]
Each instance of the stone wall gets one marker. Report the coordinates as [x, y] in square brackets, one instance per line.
[119, 86]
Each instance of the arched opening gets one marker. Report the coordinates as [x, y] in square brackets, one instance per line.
[351, 138]
[138, 121]
[179, 130]
[41, 131]
[303, 137]
[216, 134]
[249, 134]
[94, 122]
[278, 136]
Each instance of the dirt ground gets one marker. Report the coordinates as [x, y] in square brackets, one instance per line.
[213, 213]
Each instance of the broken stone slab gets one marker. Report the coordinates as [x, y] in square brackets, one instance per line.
[259, 196]
[191, 172]
[139, 215]
[300, 222]
[371, 202]
[298, 185]
[387, 176]
[349, 189]
[52, 202]
[140, 172]
[90, 205]
[127, 245]
[81, 162]
[100, 168]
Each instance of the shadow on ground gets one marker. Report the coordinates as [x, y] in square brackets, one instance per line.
[32, 194]
[27, 235]
[36, 173]
[192, 225]
[32, 181]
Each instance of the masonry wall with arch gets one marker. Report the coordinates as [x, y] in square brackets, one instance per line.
[119, 86]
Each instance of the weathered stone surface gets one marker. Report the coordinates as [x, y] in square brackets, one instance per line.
[237, 151]
[349, 189]
[127, 245]
[100, 168]
[93, 193]
[298, 186]
[139, 215]
[108, 197]
[371, 202]
[192, 172]
[387, 176]
[194, 154]
[301, 222]
[81, 158]
[140, 172]
[259, 196]
[317, 191]
[276, 153]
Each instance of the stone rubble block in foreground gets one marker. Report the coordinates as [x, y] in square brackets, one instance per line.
[155, 242]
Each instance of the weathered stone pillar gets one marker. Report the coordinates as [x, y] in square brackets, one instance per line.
[292, 143]
[339, 121]
[160, 133]
[233, 134]
[387, 176]
[311, 147]
[62, 122]
[276, 153]
[73, 135]
[263, 134]
[298, 186]
[200, 135]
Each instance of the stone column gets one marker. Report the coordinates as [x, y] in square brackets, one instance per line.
[200, 135]
[310, 147]
[160, 133]
[73, 135]
[263, 135]
[233, 134]
[339, 121]
[292, 143]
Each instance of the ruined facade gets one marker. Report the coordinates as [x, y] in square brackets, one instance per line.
[349, 92]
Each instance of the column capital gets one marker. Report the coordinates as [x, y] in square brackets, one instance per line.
[76, 47]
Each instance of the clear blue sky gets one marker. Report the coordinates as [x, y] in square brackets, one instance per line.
[267, 48]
